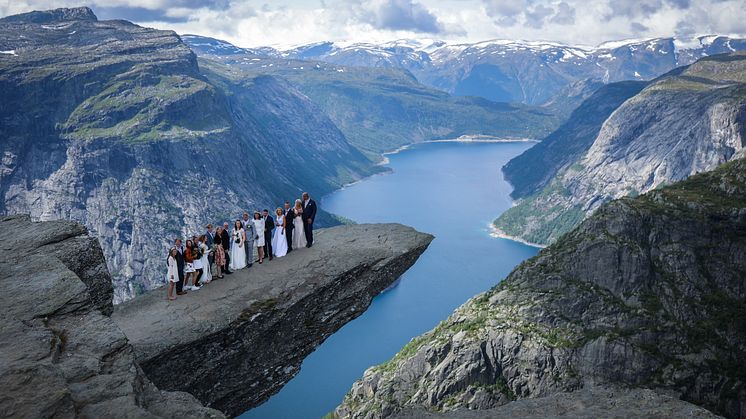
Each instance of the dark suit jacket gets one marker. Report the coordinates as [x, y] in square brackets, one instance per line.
[180, 260]
[210, 239]
[269, 225]
[289, 217]
[309, 211]
[225, 239]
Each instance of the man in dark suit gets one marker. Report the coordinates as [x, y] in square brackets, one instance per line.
[180, 266]
[309, 214]
[289, 217]
[269, 225]
[225, 240]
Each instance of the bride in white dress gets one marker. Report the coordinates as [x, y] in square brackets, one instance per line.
[299, 233]
[206, 273]
[279, 242]
[238, 241]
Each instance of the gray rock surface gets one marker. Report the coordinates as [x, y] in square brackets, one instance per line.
[689, 121]
[60, 355]
[588, 403]
[648, 292]
[238, 340]
[529, 172]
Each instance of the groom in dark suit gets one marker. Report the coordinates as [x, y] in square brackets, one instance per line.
[225, 240]
[180, 267]
[269, 225]
[289, 217]
[309, 214]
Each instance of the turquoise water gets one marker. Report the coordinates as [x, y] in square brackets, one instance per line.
[451, 190]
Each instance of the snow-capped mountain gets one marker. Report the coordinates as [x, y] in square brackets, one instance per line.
[523, 71]
[212, 46]
[531, 72]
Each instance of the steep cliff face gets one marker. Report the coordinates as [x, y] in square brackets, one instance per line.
[60, 353]
[240, 339]
[115, 126]
[648, 292]
[687, 122]
[532, 170]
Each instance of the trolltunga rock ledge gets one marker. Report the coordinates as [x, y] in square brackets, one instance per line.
[238, 340]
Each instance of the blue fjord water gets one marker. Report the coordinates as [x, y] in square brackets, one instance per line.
[451, 190]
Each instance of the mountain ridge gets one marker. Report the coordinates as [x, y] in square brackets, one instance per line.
[529, 72]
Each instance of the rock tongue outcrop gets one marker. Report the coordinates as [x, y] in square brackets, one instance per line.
[647, 292]
[240, 339]
[60, 355]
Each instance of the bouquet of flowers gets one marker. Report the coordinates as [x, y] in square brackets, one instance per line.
[197, 252]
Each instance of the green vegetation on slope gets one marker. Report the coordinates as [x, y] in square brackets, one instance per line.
[382, 109]
[144, 105]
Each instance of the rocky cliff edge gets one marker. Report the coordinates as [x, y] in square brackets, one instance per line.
[231, 345]
[238, 340]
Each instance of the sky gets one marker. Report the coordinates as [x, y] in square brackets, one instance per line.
[285, 23]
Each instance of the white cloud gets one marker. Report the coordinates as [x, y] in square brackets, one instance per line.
[292, 22]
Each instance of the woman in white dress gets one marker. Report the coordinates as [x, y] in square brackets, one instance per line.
[259, 242]
[206, 273]
[279, 242]
[238, 241]
[173, 272]
[299, 234]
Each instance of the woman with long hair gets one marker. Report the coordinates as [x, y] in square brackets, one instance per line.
[299, 233]
[259, 241]
[198, 264]
[238, 241]
[217, 247]
[206, 276]
[279, 242]
[189, 270]
[173, 272]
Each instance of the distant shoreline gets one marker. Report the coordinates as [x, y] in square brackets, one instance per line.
[499, 234]
[461, 139]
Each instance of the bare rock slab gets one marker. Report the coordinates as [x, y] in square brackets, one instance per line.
[238, 340]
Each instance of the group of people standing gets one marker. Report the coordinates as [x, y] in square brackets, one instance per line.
[232, 248]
